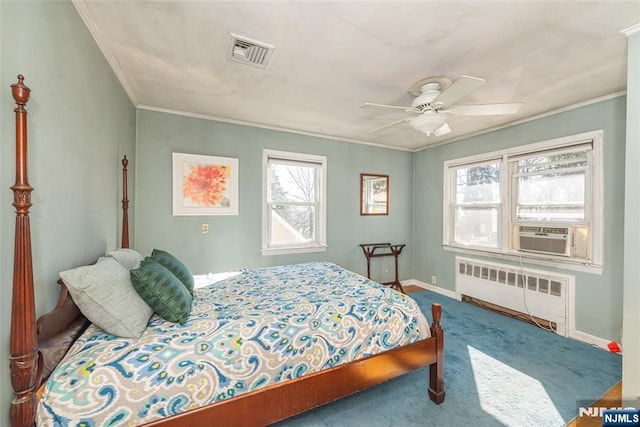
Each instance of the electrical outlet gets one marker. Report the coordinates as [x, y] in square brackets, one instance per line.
[205, 228]
[434, 280]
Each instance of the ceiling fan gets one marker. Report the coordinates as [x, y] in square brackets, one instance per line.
[433, 105]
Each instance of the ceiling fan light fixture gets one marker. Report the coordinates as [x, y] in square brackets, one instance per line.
[428, 123]
[434, 101]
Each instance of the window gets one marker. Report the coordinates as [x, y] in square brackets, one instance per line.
[541, 201]
[476, 205]
[294, 209]
[551, 187]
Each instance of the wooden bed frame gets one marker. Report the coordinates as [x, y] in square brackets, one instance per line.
[37, 348]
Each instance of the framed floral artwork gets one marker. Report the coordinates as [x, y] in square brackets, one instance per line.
[204, 185]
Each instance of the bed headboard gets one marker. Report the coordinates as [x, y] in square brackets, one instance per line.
[37, 348]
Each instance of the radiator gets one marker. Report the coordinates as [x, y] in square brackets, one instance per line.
[546, 294]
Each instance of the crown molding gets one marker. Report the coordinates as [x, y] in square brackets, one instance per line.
[81, 8]
[529, 119]
[269, 127]
[631, 30]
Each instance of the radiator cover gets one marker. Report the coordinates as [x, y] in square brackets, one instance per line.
[542, 294]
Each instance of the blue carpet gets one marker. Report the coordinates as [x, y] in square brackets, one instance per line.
[498, 371]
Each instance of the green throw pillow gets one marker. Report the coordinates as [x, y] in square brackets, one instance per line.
[174, 265]
[164, 293]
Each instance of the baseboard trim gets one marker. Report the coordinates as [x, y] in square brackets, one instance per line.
[436, 289]
[590, 339]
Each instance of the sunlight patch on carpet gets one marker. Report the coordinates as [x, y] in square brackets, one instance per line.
[509, 395]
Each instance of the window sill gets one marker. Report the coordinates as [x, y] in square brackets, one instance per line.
[556, 262]
[293, 250]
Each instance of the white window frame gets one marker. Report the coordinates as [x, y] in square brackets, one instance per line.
[320, 243]
[588, 205]
[493, 205]
[594, 202]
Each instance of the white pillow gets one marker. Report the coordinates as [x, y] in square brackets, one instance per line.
[129, 258]
[105, 295]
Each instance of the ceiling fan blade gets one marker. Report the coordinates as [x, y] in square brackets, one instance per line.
[387, 107]
[485, 109]
[460, 88]
[444, 129]
[397, 122]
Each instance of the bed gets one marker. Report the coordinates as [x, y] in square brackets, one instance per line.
[44, 349]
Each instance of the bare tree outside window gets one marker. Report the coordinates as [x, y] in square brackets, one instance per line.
[552, 187]
[294, 211]
[476, 205]
[294, 197]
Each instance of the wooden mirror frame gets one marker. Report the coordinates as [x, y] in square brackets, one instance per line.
[366, 182]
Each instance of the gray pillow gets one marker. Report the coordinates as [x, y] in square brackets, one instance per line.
[105, 295]
[129, 258]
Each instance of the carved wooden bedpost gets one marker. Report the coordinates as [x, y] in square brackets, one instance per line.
[125, 204]
[24, 347]
[436, 370]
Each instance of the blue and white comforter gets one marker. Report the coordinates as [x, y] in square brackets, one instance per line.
[250, 331]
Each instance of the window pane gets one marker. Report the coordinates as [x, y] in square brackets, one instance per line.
[551, 196]
[290, 183]
[553, 161]
[293, 224]
[478, 184]
[476, 227]
[552, 189]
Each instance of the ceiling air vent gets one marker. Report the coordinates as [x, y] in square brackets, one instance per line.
[248, 51]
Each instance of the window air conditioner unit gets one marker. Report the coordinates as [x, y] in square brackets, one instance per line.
[560, 241]
[545, 240]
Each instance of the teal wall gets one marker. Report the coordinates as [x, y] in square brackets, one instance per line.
[80, 123]
[235, 241]
[598, 297]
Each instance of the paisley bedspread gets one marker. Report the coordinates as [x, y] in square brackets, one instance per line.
[249, 331]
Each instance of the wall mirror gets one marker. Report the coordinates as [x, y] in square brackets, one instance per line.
[374, 194]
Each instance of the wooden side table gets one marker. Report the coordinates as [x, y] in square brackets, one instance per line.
[373, 250]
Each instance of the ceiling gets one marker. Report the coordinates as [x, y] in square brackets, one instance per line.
[330, 57]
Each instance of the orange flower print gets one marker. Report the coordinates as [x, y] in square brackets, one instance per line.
[206, 185]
